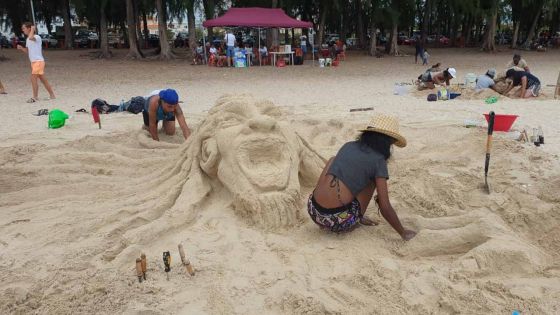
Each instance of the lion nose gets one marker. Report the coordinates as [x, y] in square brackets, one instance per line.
[262, 123]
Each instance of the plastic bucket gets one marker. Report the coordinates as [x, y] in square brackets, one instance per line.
[470, 80]
[321, 62]
[502, 122]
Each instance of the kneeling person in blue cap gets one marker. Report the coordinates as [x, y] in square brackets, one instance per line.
[164, 106]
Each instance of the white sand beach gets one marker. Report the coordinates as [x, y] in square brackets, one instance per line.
[79, 204]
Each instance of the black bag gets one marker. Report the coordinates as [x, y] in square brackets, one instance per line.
[103, 107]
[298, 60]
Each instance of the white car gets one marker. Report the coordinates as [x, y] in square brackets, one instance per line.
[48, 40]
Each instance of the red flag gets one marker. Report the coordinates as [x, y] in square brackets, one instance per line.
[95, 115]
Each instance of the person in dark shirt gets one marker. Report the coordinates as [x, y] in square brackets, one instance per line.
[530, 84]
[349, 180]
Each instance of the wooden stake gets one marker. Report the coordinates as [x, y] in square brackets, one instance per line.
[144, 266]
[139, 269]
[185, 261]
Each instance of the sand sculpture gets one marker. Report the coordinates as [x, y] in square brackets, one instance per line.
[242, 152]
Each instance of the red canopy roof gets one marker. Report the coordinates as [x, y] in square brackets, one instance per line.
[256, 17]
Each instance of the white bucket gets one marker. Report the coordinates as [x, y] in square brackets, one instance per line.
[470, 80]
[400, 89]
[322, 62]
[328, 62]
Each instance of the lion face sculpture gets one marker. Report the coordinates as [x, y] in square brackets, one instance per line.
[246, 149]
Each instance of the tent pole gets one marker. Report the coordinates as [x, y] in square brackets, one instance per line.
[259, 52]
[204, 43]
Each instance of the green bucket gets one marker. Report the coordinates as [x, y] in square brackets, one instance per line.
[57, 118]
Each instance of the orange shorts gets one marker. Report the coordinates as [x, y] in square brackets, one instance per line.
[38, 67]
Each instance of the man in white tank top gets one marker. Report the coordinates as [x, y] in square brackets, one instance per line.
[34, 50]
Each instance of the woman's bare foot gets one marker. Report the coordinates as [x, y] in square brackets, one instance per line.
[367, 221]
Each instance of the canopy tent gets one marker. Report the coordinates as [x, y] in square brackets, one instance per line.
[257, 18]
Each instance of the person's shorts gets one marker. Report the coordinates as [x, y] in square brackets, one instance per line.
[304, 49]
[337, 220]
[230, 51]
[146, 117]
[535, 89]
[38, 67]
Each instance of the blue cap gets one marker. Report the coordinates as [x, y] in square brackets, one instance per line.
[169, 96]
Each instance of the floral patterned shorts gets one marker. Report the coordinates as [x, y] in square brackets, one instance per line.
[340, 219]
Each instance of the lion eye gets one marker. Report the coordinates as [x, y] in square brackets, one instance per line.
[229, 121]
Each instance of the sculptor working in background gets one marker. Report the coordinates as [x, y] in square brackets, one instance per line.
[163, 105]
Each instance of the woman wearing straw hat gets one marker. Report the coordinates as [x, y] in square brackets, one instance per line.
[349, 180]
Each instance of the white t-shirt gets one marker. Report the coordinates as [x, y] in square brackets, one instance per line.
[230, 39]
[213, 50]
[263, 50]
[484, 82]
[303, 40]
[34, 49]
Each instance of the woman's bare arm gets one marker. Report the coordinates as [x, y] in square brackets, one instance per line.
[387, 209]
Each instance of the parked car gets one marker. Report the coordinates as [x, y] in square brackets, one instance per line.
[4, 42]
[410, 41]
[431, 39]
[181, 40]
[48, 40]
[115, 39]
[81, 38]
[93, 36]
[444, 40]
[17, 41]
[401, 39]
[153, 40]
[351, 42]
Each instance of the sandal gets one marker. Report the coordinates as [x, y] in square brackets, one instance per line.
[31, 100]
[3, 93]
[81, 110]
[42, 112]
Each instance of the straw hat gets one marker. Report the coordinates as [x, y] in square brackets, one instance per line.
[387, 125]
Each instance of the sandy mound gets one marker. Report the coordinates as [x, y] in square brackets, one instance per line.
[471, 94]
[75, 216]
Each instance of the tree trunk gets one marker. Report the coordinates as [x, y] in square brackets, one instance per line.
[141, 42]
[103, 36]
[134, 51]
[533, 28]
[515, 34]
[373, 40]
[165, 52]
[321, 32]
[360, 28]
[191, 24]
[426, 22]
[489, 42]
[68, 40]
[393, 48]
[146, 31]
[209, 11]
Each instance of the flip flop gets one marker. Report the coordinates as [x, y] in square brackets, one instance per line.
[81, 110]
[31, 100]
[42, 112]
[3, 93]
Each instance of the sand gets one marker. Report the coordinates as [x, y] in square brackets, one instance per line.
[80, 204]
